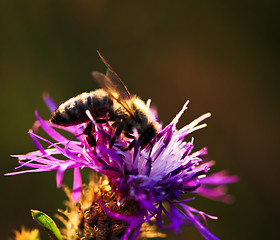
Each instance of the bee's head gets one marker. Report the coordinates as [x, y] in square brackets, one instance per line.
[144, 121]
[147, 135]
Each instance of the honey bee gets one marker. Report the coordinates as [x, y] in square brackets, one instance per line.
[112, 102]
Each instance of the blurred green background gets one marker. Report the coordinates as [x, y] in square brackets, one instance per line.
[221, 55]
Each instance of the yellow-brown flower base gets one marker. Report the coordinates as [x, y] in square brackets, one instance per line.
[86, 220]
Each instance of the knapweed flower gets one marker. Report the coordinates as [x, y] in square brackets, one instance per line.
[158, 180]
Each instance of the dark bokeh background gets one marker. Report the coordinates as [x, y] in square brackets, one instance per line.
[221, 55]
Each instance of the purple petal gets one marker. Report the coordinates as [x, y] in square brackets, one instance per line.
[59, 177]
[77, 185]
[219, 178]
[176, 119]
[26, 171]
[65, 152]
[204, 231]
[136, 224]
[60, 172]
[54, 134]
[216, 193]
[49, 102]
[39, 146]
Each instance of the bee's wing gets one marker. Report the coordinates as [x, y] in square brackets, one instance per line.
[112, 90]
[119, 86]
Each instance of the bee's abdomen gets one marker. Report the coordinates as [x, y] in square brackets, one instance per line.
[73, 111]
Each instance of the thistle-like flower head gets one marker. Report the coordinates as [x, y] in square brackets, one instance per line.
[160, 179]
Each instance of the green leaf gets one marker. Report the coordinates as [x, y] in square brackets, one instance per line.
[45, 221]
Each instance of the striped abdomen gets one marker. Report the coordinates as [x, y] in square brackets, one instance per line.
[73, 111]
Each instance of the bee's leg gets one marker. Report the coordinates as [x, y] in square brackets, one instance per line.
[149, 161]
[88, 131]
[105, 120]
[119, 127]
[131, 145]
[128, 135]
[112, 119]
[146, 137]
[151, 148]
[100, 120]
